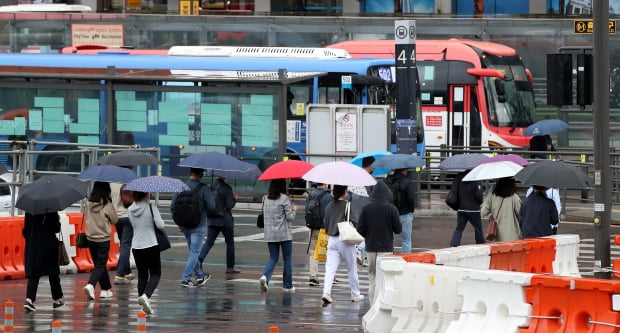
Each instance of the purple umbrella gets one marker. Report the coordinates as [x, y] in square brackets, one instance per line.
[339, 173]
[516, 159]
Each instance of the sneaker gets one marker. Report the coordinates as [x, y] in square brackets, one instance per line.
[58, 303]
[365, 263]
[314, 282]
[146, 305]
[357, 298]
[203, 280]
[288, 290]
[327, 299]
[186, 283]
[232, 270]
[120, 280]
[89, 290]
[263, 283]
[129, 276]
[336, 281]
[28, 305]
[106, 294]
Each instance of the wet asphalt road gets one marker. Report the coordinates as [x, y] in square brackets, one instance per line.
[228, 302]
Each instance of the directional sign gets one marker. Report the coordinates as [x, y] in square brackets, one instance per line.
[587, 26]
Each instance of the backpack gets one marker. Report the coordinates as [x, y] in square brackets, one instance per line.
[188, 208]
[220, 208]
[314, 220]
[393, 184]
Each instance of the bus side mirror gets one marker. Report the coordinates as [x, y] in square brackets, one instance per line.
[499, 88]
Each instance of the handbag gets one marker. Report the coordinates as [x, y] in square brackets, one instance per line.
[492, 227]
[347, 232]
[162, 238]
[80, 240]
[63, 256]
[320, 249]
[260, 219]
[452, 199]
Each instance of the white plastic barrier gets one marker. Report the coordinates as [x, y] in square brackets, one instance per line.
[68, 230]
[379, 319]
[494, 302]
[472, 256]
[566, 253]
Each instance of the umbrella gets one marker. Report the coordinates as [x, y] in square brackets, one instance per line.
[546, 126]
[156, 184]
[357, 160]
[213, 160]
[517, 159]
[252, 173]
[128, 158]
[493, 170]
[339, 173]
[50, 194]
[399, 161]
[290, 169]
[108, 173]
[462, 162]
[556, 174]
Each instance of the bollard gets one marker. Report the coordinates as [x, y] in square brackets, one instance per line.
[274, 329]
[56, 326]
[8, 316]
[141, 327]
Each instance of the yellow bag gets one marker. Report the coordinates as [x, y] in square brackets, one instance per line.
[320, 250]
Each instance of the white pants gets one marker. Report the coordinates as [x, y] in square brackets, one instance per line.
[337, 250]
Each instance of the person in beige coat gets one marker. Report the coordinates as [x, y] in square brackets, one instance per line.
[504, 205]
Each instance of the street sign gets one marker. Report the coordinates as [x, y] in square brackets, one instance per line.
[587, 26]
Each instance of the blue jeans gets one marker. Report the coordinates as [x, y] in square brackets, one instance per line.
[194, 237]
[229, 238]
[287, 255]
[461, 222]
[406, 220]
[125, 235]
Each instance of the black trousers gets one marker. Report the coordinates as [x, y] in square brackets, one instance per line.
[148, 263]
[99, 253]
[33, 285]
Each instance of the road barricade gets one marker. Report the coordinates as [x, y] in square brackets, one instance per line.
[540, 254]
[508, 256]
[379, 317]
[566, 254]
[82, 258]
[425, 257]
[68, 230]
[12, 248]
[471, 256]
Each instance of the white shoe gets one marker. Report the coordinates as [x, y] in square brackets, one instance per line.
[146, 305]
[89, 290]
[357, 298]
[106, 294]
[327, 299]
[263, 283]
[288, 290]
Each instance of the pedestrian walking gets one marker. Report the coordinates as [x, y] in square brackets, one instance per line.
[553, 194]
[99, 216]
[195, 235]
[337, 250]
[403, 194]
[144, 218]
[378, 222]
[279, 213]
[124, 231]
[470, 197]
[537, 214]
[503, 204]
[322, 195]
[41, 256]
[222, 222]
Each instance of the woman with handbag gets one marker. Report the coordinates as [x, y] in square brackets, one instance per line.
[338, 210]
[41, 256]
[144, 218]
[503, 205]
[279, 214]
[99, 215]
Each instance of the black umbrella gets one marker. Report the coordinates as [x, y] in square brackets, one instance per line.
[556, 174]
[128, 158]
[50, 194]
[462, 162]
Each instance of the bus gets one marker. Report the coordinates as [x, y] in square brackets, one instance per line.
[473, 93]
[181, 103]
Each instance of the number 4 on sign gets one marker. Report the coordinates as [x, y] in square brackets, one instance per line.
[403, 57]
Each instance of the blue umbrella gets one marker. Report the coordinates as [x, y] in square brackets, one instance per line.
[545, 127]
[357, 160]
[399, 161]
[462, 162]
[108, 173]
[212, 161]
[252, 173]
[156, 184]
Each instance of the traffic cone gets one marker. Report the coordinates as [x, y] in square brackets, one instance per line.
[8, 316]
[141, 327]
[274, 329]
[56, 326]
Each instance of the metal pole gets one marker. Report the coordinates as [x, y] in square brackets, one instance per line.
[600, 106]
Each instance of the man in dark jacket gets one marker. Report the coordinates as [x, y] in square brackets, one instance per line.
[537, 215]
[378, 222]
[224, 224]
[403, 191]
[470, 198]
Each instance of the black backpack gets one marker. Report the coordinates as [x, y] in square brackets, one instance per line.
[314, 220]
[188, 207]
[220, 208]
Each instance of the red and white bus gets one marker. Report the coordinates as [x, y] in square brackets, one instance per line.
[473, 93]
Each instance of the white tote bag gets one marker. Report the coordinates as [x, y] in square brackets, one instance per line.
[348, 232]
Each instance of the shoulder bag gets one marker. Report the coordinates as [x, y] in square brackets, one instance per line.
[63, 256]
[260, 219]
[162, 237]
[80, 240]
[492, 228]
[452, 199]
[347, 232]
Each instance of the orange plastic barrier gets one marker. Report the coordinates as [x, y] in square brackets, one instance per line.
[11, 248]
[540, 255]
[423, 257]
[508, 256]
[571, 305]
[114, 250]
[82, 257]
